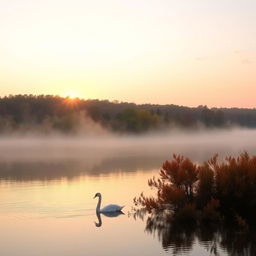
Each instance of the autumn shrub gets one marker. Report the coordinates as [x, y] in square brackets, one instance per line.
[206, 187]
[207, 190]
[210, 212]
[236, 183]
[187, 214]
[180, 173]
[175, 187]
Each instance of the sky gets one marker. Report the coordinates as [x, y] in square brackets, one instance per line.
[184, 52]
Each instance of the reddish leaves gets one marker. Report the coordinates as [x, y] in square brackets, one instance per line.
[210, 187]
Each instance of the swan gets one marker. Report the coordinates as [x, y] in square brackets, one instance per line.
[108, 208]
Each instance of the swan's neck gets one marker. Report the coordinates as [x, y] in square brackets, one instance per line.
[98, 205]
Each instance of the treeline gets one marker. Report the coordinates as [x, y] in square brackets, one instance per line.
[47, 112]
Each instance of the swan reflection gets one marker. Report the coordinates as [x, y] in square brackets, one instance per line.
[107, 214]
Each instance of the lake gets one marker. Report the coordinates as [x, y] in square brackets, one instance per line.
[47, 187]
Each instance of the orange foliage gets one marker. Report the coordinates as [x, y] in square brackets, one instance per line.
[236, 182]
[205, 188]
[180, 172]
[210, 211]
[227, 187]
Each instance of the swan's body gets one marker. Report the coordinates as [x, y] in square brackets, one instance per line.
[111, 208]
[108, 208]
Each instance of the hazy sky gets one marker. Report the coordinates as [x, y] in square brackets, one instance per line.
[186, 52]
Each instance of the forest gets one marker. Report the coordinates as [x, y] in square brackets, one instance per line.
[46, 113]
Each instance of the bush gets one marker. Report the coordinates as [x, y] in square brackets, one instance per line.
[211, 189]
[187, 214]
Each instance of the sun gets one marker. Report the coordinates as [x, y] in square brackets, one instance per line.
[71, 99]
[72, 96]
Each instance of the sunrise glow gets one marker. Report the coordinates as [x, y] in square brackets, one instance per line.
[72, 96]
[166, 52]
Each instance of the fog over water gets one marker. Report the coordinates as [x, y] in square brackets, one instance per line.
[110, 153]
[196, 145]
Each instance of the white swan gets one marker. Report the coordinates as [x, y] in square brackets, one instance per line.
[108, 208]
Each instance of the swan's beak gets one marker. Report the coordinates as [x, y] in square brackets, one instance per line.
[94, 196]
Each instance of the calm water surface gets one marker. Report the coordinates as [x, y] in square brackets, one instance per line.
[47, 205]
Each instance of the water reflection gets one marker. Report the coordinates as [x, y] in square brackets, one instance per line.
[107, 214]
[180, 238]
[72, 169]
[99, 224]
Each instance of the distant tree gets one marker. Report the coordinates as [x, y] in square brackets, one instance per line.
[138, 120]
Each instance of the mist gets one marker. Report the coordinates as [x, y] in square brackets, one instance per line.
[198, 145]
[72, 155]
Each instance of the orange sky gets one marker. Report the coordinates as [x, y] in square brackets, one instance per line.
[192, 53]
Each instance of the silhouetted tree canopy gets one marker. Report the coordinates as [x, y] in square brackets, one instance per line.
[47, 112]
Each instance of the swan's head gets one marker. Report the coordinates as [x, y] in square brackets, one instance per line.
[97, 195]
